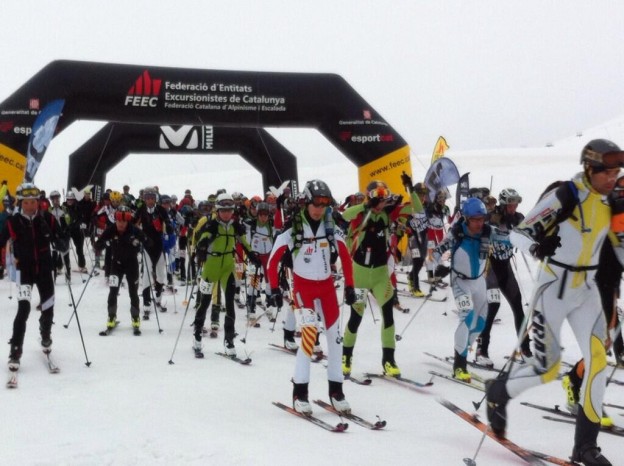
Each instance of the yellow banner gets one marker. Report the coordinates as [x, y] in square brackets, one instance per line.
[387, 169]
[439, 149]
[12, 167]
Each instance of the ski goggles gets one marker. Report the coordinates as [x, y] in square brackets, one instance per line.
[605, 161]
[32, 193]
[321, 201]
[149, 196]
[123, 216]
[226, 205]
[380, 192]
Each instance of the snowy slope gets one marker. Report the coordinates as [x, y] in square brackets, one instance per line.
[132, 407]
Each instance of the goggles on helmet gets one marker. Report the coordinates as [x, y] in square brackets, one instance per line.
[226, 204]
[30, 192]
[123, 216]
[321, 201]
[380, 191]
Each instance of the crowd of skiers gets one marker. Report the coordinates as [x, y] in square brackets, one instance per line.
[228, 245]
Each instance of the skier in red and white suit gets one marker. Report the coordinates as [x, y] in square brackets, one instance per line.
[313, 242]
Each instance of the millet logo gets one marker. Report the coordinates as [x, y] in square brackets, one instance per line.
[186, 137]
[144, 92]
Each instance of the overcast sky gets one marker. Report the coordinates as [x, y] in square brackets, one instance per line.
[485, 74]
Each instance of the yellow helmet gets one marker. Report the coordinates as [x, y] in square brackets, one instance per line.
[116, 197]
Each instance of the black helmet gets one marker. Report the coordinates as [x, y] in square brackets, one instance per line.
[421, 188]
[316, 189]
[602, 153]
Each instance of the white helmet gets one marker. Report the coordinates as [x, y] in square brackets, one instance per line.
[224, 201]
[27, 191]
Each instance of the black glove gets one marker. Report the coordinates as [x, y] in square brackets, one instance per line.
[201, 254]
[407, 182]
[276, 298]
[349, 295]
[442, 271]
[545, 247]
[254, 259]
[374, 202]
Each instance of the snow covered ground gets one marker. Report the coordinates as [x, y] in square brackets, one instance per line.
[132, 407]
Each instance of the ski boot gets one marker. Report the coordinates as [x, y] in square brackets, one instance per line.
[347, 360]
[483, 358]
[460, 372]
[214, 328]
[230, 350]
[389, 364]
[337, 398]
[586, 451]
[300, 399]
[146, 311]
[14, 358]
[289, 340]
[418, 294]
[111, 322]
[136, 324]
[497, 399]
[197, 346]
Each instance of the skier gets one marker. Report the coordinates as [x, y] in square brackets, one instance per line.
[557, 232]
[155, 223]
[500, 276]
[215, 247]
[438, 214]
[469, 240]
[369, 232]
[58, 212]
[260, 238]
[125, 242]
[76, 233]
[32, 238]
[312, 241]
[417, 232]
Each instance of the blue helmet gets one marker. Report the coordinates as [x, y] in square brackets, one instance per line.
[473, 207]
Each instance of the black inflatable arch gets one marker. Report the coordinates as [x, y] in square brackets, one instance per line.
[180, 96]
[90, 163]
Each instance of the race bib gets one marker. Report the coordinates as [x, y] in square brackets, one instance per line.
[205, 287]
[493, 295]
[415, 253]
[306, 317]
[113, 281]
[464, 302]
[24, 292]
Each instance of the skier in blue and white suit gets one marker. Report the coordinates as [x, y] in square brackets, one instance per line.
[469, 241]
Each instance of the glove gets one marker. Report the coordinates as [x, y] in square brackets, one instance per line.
[135, 242]
[201, 254]
[442, 271]
[545, 247]
[83, 226]
[254, 259]
[349, 295]
[374, 202]
[276, 297]
[407, 181]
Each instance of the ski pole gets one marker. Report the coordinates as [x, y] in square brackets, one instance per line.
[71, 294]
[370, 306]
[169, 265]
[188, 277]
[147, 270]
[513, 259]
[79, 298]
[399, 337]
[181, 325]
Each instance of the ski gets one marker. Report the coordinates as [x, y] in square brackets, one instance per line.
[402, 381]
[461, 382]
[429, 297]
[53, 368]
[570, 418]
[436, 283]
[109, 330]
[340, 427]
[358, 380]
[244, 362]
[616, 382]
[253, 321]
[377, 425]
[12, 382]
[523, 453]
[611, 405]
[283, 349]
[449, 360]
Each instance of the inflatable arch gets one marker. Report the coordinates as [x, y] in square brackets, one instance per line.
[181, 96]
[90, 163]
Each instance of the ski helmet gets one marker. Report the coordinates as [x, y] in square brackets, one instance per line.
[509, 196]
[602, 153]
[263, 207]
[116, 197]
[317, 192]
[473, 207]
[378, 189]
[27, 191]
[55, 193]
[224, 202]
[106, 197]
[150, 193]
[165, 198]
[70, 196]
[421, 188]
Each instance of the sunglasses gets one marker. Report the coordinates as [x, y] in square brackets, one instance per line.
[123, 216]
[321, 201]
